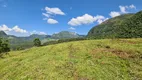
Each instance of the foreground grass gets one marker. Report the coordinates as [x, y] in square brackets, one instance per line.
[80, 60]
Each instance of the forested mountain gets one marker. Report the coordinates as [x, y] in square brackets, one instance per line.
[124, 26]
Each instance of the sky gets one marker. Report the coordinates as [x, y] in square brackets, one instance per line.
[26, 17]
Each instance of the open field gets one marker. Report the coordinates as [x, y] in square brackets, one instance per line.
[118, 59]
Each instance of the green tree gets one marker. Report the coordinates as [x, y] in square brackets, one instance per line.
[4, 46]
[37, 42]
[0, 45]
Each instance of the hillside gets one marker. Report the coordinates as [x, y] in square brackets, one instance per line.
[124, 26]
[119, 59]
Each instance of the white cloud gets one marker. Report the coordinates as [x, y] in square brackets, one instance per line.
[85, 19]
[42, 33]
[99, 17]
[4, 28]
[19, 30]
[45, 14]
[15, 29]
[102, 20]
[72, 28]
[52, 21]
[114, 14]
[54, 11]
[123, 9]
[132, 6]
[51, 12]
[37, 32]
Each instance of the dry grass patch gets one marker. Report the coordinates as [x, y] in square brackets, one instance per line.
[117, 52]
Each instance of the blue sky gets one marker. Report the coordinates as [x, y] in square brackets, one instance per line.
[25, 17]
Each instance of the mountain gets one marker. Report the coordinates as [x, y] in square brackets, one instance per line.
[26, 42]
[3, 34]
[65, 35]
[124, 26]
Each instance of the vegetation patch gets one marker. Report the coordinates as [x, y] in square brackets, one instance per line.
[120, 53]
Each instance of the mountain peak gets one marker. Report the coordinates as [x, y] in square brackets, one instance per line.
[3, 34]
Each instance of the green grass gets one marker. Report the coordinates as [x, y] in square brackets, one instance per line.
[118, 59]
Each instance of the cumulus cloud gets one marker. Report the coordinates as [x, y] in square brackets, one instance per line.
[72, 28]
[102, 20]
[17, 31]
[99, 17]
[85, 19]
[52, 21]
[51, 12]
[55, 11]
[4, 28]
[123, 10]
[114, 14]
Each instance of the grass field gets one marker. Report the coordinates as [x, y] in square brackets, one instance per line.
[119, 59]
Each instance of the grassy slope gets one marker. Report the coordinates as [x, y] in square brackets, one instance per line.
[90, 59]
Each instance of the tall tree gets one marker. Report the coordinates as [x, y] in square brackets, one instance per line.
[4, 46]
[37, 42]
[0, 45]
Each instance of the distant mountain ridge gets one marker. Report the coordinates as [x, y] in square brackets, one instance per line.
[65, 35]
[3, 34]
[60, 35]
[124, 26]
[28, 41]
